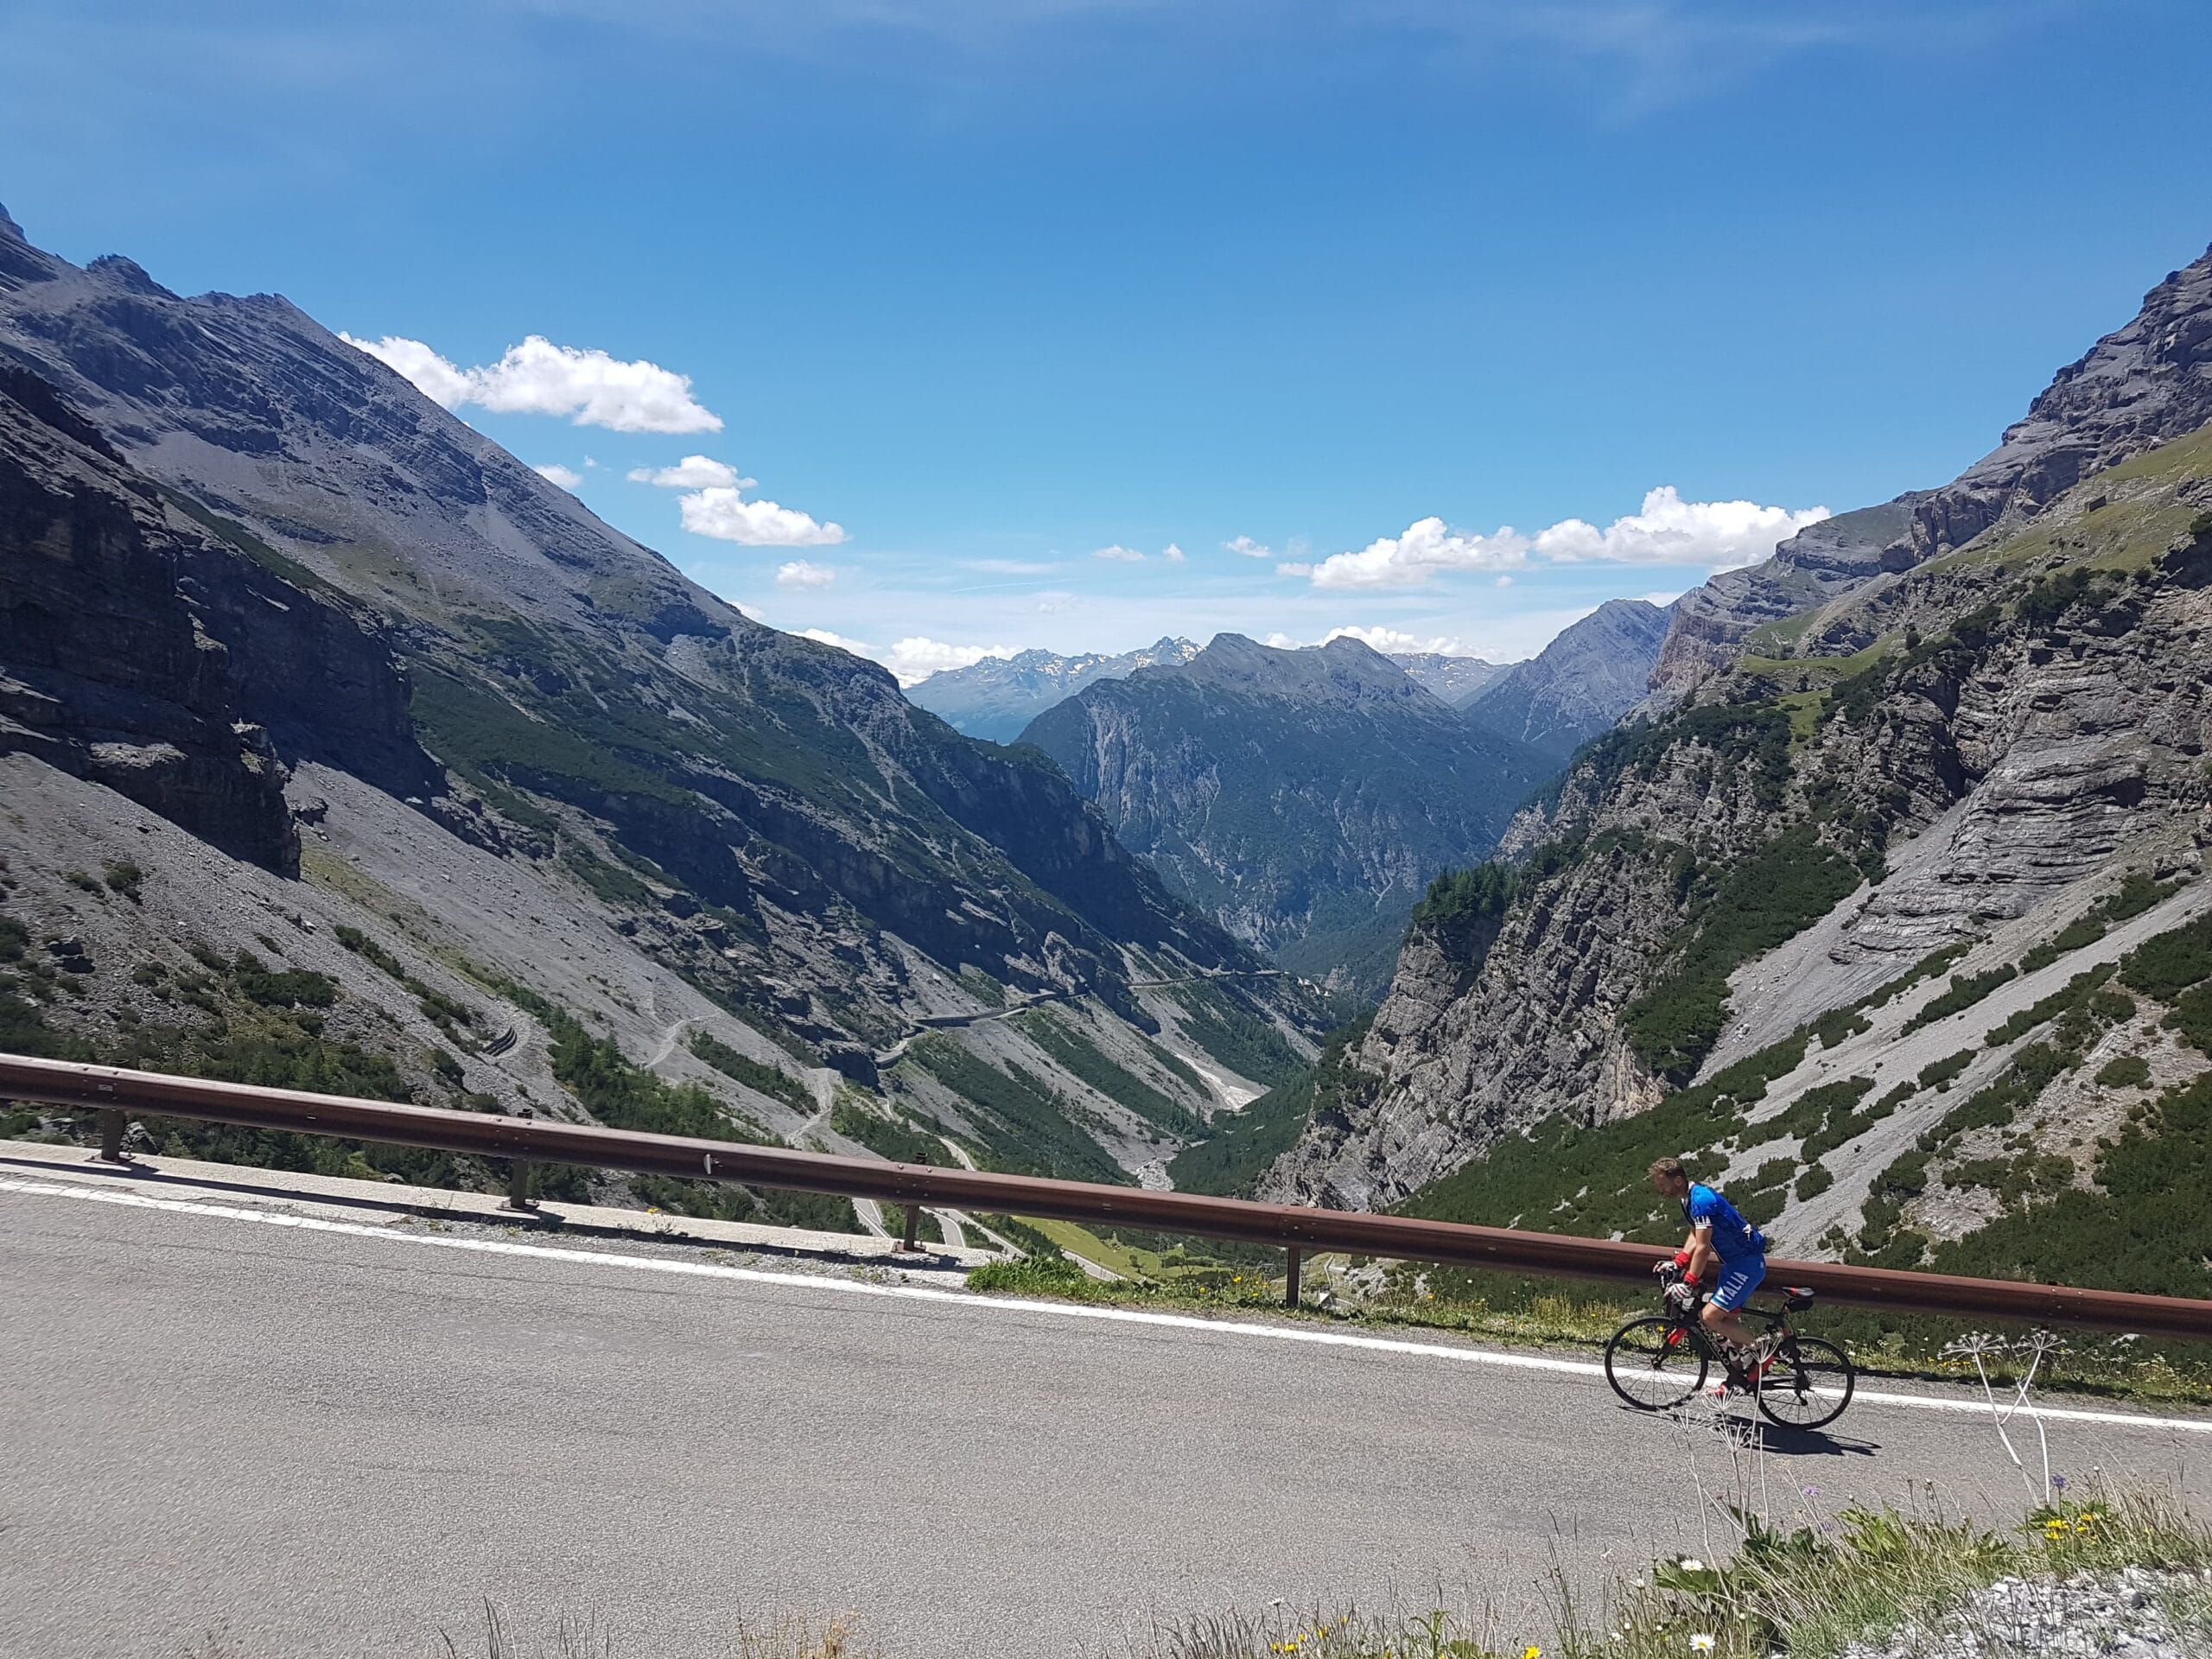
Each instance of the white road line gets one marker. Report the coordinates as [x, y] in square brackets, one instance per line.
[1011, 1305]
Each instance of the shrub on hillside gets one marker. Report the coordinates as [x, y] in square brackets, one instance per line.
[1789, 885]
[2129, 1072]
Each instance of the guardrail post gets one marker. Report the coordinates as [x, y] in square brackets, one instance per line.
[912, 1242]
[518, 1188]
[1293, 1259]
[111, 1136]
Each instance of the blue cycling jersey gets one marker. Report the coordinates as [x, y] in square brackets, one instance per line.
[1734, 1239]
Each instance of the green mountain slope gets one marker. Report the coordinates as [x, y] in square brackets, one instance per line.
[639, 800]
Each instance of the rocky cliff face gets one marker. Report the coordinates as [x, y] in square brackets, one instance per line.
[995, 699]
[1712, 624]
[1594, 672]
[762, 815]
[2137, 387]
[1969, 747]
[145, 653]
[1298, 795]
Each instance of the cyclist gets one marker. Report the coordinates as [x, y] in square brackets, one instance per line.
[1723, 1252]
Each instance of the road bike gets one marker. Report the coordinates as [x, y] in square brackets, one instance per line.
[1657, 1362]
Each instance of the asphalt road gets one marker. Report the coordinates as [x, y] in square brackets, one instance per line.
[336, 1441]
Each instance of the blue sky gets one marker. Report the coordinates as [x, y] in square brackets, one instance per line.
[993, 285]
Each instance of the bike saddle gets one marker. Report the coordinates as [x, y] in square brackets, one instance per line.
[1798, 1298]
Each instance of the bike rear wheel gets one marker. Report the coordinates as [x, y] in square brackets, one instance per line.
[1654, 1364]
[1806, 1384]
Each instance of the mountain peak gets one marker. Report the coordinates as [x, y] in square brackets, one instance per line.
[1305, 796]
[1343, 669]
[127, 273]
[998, 696]
[1346, 645]
[9, 228]
[1581, 683]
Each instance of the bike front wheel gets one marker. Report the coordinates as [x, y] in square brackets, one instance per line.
[1654, 1364]
[1806, 1384]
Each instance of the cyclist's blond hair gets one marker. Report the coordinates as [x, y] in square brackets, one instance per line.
[1668, 1168]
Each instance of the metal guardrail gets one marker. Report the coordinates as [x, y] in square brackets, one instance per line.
[115, 1092]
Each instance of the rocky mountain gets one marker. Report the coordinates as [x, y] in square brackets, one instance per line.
[1303, 796]
[1454, 679]
[2139, 386]
[300, 675]
[997, 697]
[1585, 679]
[1894, 921]
[2135, 388]
[125, 637]
[1712, 626]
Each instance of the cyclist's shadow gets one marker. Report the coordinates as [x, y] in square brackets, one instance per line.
[1816, 1443]
[1770, 1437]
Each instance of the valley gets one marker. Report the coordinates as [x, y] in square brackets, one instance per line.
[429, 785]
[1868, 876]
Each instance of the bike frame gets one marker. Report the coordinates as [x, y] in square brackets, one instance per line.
[1691, 1325]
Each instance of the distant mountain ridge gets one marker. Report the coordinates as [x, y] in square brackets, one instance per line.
[1579, 685]
[1457, 680]
[1304, 796]
[995, 698]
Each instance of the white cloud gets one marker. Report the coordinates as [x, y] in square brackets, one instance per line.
[1289, 568]
[1010, 567]
[1410, 560]
[823, 637]
[567, 478]
[411, 361]
[1117, 552]
[801, 573]
[716, 508]
[722, 513]
[1391, 641]
[1053, 604]
[539, 378]
[1713, 535]
[1172, 553]
[692, 473]
[1717, 535]
[914, 659]
[1246, 546]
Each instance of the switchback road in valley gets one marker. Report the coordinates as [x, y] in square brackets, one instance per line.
[316, 1438]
